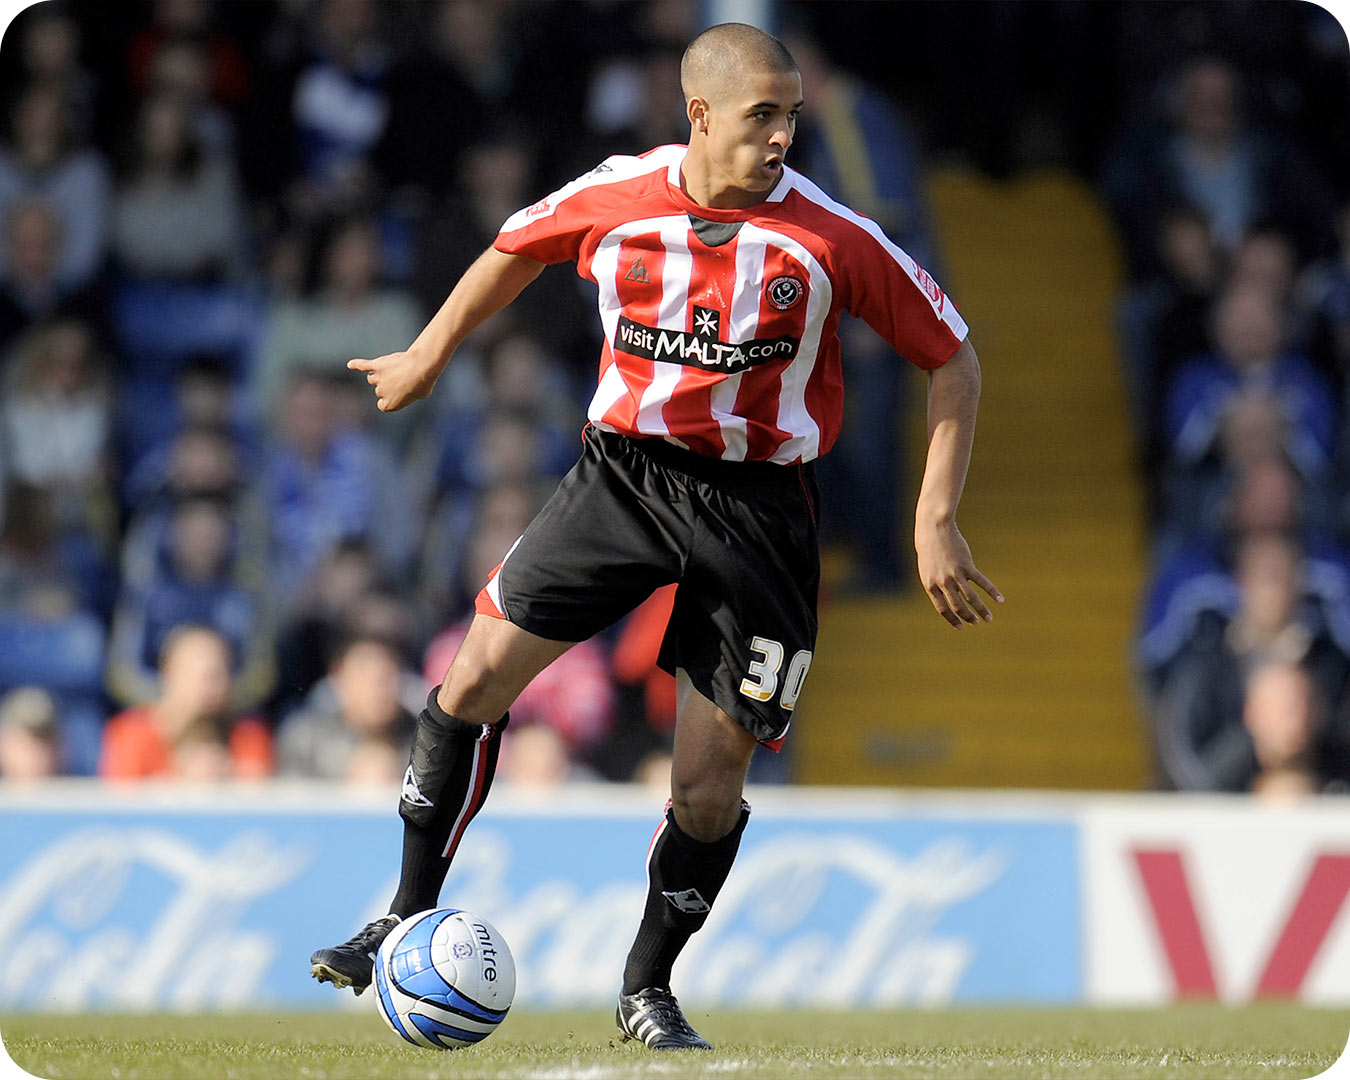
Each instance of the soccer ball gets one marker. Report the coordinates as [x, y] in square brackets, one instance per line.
[444, 979]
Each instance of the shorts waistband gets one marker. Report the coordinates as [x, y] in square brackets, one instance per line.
[759, 473]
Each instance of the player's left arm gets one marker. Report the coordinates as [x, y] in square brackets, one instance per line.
[946, 568]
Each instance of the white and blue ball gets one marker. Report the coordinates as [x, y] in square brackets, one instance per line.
[444, 979]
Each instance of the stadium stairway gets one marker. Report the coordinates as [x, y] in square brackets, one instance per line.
[1043, 696]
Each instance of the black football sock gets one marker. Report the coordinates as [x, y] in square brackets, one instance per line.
[447, 782]
[684, 876]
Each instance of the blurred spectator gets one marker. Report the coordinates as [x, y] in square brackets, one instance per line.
[339, 107]
[653, 772]
[427, 92]
[30, 291]
[1328, 304]
[497, 178]
[180, 70]
[191, 571]
[177, 210]
[56, 417]
[477, 42]
[1204, 153]
[328, 484]
[357, 724]
[1162, 322]
[1192, 584]
[30, 736]
[1249, 399]
[465, 537]
[318, 617]
[195, 698]
[49, 55]
[1204, 743]
[1282, 714]
[351, 315]
[225, 75]
[200, 460]
[204, 398]
[637, 101]
[524, 428]
[41, 160]
[538, 757]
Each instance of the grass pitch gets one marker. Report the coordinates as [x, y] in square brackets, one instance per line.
[1180, 1043]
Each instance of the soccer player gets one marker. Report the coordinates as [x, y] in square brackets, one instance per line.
[722, 275]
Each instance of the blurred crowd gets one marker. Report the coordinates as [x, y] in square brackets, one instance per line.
[217, 559]
[1235, 340]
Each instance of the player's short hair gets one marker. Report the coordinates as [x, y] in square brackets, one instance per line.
[721, 55]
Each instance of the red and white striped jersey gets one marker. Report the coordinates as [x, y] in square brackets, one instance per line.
[721, 325]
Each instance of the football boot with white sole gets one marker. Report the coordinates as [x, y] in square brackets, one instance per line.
[653, 1017]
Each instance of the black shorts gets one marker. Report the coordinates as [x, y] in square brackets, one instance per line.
[739, 538]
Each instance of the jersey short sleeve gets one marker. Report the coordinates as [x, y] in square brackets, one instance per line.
[879, 282]
[899, 299]
[554, 228]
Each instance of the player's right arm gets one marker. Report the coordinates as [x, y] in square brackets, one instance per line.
[492, 282]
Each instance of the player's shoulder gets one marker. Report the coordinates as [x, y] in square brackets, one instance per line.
[810, 201]
[616, 181]
[619, 167]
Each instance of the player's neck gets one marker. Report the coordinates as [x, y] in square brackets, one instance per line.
[707, 186]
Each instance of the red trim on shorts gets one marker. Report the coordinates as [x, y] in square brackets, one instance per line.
[483, 603]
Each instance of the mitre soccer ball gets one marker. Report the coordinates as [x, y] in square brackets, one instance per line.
[444, 979]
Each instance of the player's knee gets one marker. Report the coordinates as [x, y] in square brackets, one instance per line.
[470, 693]
[706, 807]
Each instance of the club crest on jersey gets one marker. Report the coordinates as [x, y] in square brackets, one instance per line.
[784, 291]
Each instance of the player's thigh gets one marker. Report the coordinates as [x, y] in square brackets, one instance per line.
[496, 661]
[711, 756]
[744, 625]
[612, 534]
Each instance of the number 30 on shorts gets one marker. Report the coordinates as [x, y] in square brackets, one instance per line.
[762, 681]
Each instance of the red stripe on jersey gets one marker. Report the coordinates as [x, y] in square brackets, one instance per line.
[780, 315]
[637, 283]
[712, 285]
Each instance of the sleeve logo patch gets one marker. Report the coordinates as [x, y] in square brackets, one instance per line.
[784, 291]
[927, 284]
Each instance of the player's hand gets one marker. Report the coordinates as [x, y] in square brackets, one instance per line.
[398, 379]
[949, 575]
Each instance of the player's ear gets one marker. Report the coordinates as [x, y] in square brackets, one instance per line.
[696, 108]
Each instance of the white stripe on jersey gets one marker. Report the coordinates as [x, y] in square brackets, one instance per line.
[803, 432]
[674, 231]
[612, 389]
[943, 308]
[672, 315]
[605, 265]
[742, 325]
